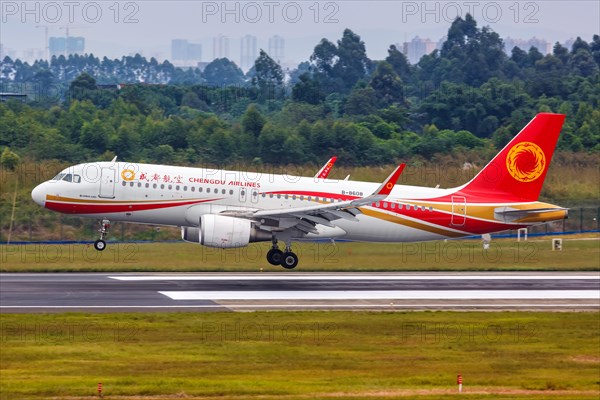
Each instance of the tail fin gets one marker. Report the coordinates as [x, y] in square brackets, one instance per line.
[518, 171]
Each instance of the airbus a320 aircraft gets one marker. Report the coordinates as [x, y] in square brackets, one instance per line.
[227, 209]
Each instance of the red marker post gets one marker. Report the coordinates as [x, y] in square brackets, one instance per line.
[99, 389]
[459, 382]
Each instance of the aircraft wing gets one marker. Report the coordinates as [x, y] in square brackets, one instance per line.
[324, 172]
[305, 218]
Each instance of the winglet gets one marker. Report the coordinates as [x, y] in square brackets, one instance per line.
[382, 191]
[387, 185]
[324, 172]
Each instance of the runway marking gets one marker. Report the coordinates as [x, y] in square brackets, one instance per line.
[383, 295]
[307, 277]
[251, 306]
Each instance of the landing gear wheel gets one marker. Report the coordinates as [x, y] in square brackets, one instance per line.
[274, 256]
[99, 244]
[289, 260]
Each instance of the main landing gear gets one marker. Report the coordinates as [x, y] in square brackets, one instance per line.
[100, 244]
[287, 259]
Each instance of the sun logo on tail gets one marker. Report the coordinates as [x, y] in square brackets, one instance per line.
[526, 161]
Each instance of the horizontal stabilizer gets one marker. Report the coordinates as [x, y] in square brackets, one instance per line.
[509, 214]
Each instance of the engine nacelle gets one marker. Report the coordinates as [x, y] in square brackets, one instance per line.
[223, 232]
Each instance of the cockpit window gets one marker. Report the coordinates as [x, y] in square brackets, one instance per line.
[67, 178]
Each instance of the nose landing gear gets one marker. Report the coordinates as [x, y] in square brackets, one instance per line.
[100, 244]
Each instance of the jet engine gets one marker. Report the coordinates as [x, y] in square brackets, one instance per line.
[224, 232]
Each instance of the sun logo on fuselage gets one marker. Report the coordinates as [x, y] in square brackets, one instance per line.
[128, 175]
[526, 162]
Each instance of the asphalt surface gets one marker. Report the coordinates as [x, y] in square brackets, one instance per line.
[105, 292]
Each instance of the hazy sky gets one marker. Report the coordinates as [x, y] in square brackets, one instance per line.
[115, 28]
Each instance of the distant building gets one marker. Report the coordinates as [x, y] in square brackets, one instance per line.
[417, 48]
[220, 47]
[179, 49]
[32, 55]
[4, 97]
[65, 46]
[201, 65]
[248, 52]
[569, 43]
[182, 51]
[542, 45]
[277, 48]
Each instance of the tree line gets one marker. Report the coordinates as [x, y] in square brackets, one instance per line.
[467, 97]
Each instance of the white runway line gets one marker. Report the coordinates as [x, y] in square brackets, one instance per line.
[328, 306]
[342, 277]
[384, 294]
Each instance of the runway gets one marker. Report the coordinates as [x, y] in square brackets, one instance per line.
[127, 292]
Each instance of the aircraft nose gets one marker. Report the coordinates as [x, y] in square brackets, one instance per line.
[38, 194]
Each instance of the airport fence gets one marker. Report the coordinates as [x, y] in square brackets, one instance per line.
[57, 227]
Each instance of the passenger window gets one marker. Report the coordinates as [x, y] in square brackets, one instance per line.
[124, 183]
[200, 190]
[154, 186]
[223, 191]
[162, 185]
[139, 184]
[147, 185]
[177, 187]
[185, 188]
[393, 206]
[170, 187]
[301, 197]
[230, 192]
[192, 188]
[131, 184]
[207, 190]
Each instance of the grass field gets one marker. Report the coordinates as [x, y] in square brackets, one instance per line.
[579, 253]
[300, 355]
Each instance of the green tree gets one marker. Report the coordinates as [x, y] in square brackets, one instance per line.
[268, 76]
[223, 72]
[387, 85]
[307, 90]
[253, 121]
[361, 101]
[95, 136]
[399, 62]
[9, 159]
